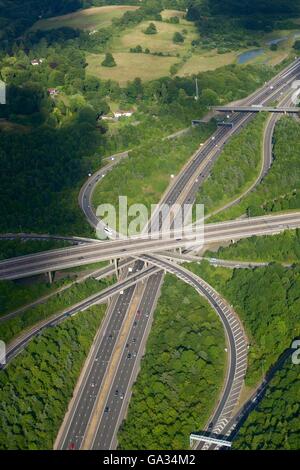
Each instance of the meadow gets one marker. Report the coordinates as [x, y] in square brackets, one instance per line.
[181, 59]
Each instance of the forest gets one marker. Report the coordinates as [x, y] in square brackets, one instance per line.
[231, 24]
[17, 15]
[267, 300]
[274, 424]
[76, 293]
[36, 387]
[248, 8]
[283, 247]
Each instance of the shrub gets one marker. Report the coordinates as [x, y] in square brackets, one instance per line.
[109, 61]
[151, 29]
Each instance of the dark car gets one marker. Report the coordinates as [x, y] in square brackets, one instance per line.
[106, 409]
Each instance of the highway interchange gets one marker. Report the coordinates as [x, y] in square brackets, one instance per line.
[91, 423]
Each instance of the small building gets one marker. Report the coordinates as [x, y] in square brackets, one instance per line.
[106, 118]
[37, 61]
[119, 113]
[53, 91]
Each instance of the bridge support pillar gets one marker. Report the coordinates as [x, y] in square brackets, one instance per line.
[117, 268]
[50, 275]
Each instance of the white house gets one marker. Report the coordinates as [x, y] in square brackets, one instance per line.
[37, 61]
[119, 113]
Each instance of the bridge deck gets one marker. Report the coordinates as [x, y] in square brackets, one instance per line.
[256, 109]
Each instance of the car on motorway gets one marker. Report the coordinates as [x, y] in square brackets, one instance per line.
[129, 356]
[133, 340]
[122, 396]
[116, 393]
[106, 409]
[107, 230]
[210, 426]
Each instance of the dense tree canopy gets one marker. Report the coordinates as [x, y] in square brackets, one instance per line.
[267, 300]
[274, 424]
[245, 7]
[18, 15]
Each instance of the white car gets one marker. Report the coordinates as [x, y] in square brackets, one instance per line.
[107, 230]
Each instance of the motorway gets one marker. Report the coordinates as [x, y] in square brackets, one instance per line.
[258, 109]
[267, 158]
[20, 342]
[79, 421]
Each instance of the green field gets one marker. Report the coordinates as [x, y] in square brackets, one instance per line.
[206, 61]
[91, 18]
[129, 66]
[188, 60]
[160, 42]
[146, 66]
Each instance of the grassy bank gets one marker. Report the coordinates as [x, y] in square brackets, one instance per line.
[280, 189]
[236, 169]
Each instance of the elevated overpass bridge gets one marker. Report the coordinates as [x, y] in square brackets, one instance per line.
[256, 109]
